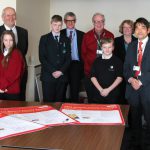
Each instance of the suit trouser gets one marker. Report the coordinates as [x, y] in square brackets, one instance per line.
[53, 91]
[89, 89]
[139, 105]
[75, 74]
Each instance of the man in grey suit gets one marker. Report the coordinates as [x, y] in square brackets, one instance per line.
[21, 39]
[137, 75]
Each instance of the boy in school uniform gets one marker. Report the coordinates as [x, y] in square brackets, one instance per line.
[106, 74]
[55, 57]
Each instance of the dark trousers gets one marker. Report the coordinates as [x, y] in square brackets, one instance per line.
[53, 91]
[23, 86]
[89, 89]
[75, 74]
[4, 96]
[139, 105]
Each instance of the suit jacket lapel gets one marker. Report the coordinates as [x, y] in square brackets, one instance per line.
[135, 53]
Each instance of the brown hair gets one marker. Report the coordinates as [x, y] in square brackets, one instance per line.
[56, 18]
[6, 58]
[107, 40]
[129, 22]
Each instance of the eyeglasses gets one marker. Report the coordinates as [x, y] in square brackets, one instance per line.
[99, 22]
[70, 21]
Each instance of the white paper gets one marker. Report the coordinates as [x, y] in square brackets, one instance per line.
[85, 116]
[45, 117]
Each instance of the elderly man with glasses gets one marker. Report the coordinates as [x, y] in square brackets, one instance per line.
[91, 49]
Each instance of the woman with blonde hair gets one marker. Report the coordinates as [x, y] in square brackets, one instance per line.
[121, 43]
[11, 67]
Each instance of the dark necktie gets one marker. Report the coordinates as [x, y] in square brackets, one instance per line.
[70, 35]
[56, 38]
[140, 55]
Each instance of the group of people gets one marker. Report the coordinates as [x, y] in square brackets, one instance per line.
[115, 70]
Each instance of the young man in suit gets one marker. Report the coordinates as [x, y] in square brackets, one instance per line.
[75, 72]
[21, 38]
[54, 55]
[137, 76]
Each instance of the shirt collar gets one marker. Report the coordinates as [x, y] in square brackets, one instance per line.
[8, 28]
[68, 31]
[144, 40]
[104, 57]
[5, 51]
[55, 34]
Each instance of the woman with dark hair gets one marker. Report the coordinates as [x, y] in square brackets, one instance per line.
[11, 67]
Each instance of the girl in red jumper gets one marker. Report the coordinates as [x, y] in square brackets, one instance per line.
[11, 67]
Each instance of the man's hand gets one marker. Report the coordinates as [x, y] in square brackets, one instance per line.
[136, 84]
[56, 74]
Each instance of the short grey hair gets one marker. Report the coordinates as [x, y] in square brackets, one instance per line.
[98, 14]
[71, 14]
[4, 10]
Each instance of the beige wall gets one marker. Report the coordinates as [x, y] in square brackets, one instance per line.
[34, 16]
[114, 10]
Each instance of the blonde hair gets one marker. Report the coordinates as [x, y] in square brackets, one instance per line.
[129, 22]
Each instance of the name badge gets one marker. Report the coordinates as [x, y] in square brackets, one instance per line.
[136, 68]
[99, 51]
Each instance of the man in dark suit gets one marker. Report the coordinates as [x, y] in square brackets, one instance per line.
[21, 38]
[76, 71]
[137, 75]
[54, 55]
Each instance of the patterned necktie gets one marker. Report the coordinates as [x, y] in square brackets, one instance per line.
[70, 35]
[140, 55]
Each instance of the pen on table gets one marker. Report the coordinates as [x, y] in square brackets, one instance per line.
[67, 119]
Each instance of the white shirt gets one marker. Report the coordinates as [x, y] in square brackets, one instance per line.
[5, 52]
[143, 45]
[56, 34]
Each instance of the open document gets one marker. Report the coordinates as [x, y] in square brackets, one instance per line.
[94, 113]
[20, 120]
[10, 126]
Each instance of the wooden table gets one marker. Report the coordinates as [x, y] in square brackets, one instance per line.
[70, 137]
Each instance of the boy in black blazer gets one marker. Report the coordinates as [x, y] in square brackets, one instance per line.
[54, 55]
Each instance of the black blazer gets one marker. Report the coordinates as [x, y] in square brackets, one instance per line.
[120, 50]
[54, 56]
[79, 40]
[130, 61]
[22, 44]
